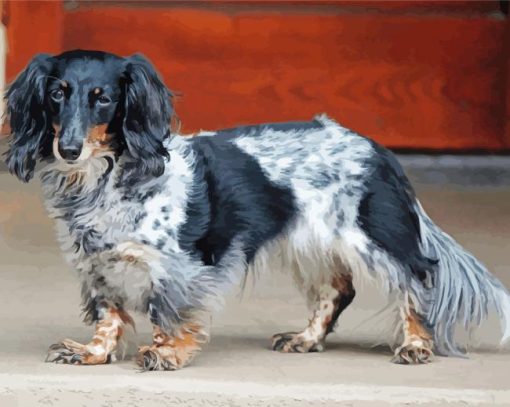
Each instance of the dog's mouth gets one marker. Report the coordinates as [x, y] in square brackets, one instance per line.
[82, 174]
[96, 144]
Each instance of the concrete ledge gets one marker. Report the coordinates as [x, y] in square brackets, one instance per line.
[128, 390]
[464, 170]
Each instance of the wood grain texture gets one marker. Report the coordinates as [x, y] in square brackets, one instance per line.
[409, 80]
[507, 86]
[390, 6]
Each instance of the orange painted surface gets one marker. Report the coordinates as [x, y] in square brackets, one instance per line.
[408, 80]
[32, 27]
[507, 87]
[422, 6]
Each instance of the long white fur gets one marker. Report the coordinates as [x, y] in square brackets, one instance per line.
[464, 288]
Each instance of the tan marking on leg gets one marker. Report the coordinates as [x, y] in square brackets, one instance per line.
[172, 352]
[343, 284]
[104, 342]
[322, 316]
[417, 345]
[415, 328]
[313, 336]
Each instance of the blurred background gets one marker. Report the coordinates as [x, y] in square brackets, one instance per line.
[419, 75]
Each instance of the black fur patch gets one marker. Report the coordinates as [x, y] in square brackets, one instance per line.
[242, 202]
[387, 214]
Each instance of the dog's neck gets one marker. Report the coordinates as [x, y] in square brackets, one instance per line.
[63, 179]
[71, 188]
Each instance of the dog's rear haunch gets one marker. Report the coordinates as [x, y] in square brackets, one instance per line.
[165, 225]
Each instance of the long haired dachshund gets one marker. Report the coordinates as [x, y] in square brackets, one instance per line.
[164, 225]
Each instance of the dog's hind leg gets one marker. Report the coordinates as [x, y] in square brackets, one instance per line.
[417, 344]
[99, 350]
[333, 299]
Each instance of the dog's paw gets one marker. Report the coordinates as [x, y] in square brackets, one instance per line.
[293, 342]
[74, 353]
[158, 358]
[413, 354]
[59, 353]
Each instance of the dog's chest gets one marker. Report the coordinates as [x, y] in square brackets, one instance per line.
[105, 247]
[86, 230]
[123, 274]
[115, 236]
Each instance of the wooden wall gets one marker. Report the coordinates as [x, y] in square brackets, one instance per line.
[415, 74]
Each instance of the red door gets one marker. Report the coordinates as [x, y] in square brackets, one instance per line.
[416, 74]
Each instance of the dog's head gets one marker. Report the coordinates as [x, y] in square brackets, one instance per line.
[83, 104]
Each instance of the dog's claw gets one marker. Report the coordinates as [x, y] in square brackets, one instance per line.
[150, 360]
[412, 355]
[76, 358]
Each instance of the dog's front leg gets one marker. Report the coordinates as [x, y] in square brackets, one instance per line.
[184, 293]
[172, 352]
[109, 329]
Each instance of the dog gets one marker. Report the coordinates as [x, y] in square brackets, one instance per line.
[164, 225]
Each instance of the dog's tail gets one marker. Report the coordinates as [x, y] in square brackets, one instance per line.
[464, 289]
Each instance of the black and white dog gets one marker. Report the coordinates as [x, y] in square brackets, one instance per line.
[163, 224]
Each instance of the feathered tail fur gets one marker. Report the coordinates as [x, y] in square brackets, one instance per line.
[464, 288]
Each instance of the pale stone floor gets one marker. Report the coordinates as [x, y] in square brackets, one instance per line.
[40, 305]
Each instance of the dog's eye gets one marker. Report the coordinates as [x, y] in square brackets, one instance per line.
[103, 100]
[57, 95]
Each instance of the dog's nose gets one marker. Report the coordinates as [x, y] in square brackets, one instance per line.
[70, 153]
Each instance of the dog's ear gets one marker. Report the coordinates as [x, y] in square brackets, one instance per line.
[28, 117]
[147, 115]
